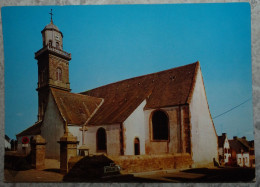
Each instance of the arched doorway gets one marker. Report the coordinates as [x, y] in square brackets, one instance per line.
[101, 140]
[137, 146]
[160, 125]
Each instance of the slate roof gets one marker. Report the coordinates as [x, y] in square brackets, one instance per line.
[244, 142]
[237, 146]
[32, 130]
[221, 140]
[251, 143]
[162, 89]
[7, 138]
[76, 109]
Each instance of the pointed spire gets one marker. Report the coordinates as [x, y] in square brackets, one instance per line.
[51, 15]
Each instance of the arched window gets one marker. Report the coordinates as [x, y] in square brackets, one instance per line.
[58, 74]
[137, 146]
[160, 125]
[101, 140]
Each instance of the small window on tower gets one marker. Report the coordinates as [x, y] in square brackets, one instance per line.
[50, 43]
[57, 45]
[42, 75]
[58, 74]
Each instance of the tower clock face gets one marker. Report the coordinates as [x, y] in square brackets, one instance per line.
[57, 37]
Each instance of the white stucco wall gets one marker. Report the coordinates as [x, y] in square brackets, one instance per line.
[112, 135]
[243, 159]
[52, 129]
[204, 140]
[134, 127]
[7, 144]
[228, 153]
[75, 131]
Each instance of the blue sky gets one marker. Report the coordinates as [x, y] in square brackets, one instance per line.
[109, 43]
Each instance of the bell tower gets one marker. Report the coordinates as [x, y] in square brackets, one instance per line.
[53, 65]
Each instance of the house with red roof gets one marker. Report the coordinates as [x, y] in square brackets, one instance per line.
[156, 114]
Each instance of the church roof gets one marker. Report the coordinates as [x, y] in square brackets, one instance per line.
[32, 130]
[76, 109]
[162, 89]
[51, 26]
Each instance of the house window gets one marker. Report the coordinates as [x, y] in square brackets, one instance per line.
[239, 161]
[160, 125]
[101, 140]
[137, 146]
[225, 150]
[58, 74]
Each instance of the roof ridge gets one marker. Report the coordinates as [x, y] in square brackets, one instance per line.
[79, 94]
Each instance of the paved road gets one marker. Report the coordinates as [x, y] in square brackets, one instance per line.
[51, 174]
[200, 175]
[32, 176]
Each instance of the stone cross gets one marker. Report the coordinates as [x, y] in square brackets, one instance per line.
[83, 129]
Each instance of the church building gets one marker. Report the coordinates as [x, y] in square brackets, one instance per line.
[160, 113]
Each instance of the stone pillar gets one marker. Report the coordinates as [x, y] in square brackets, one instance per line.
[38, 152]
[68, 149]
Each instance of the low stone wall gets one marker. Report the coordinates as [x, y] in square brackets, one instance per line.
[94, 165]
[142, 163]
[16, 161]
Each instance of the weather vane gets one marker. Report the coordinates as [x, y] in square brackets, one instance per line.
[51, 15]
